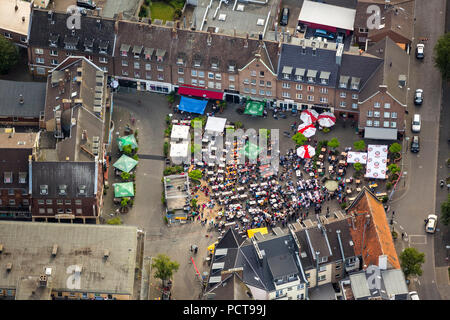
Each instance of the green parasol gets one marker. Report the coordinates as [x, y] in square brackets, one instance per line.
[127, 140]
[254, 108]
[125, 189]
[125, 163]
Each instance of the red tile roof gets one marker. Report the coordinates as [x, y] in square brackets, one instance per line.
[375, 239]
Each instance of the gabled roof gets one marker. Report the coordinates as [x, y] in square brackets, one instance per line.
[42, 28]
[359, 66]
[395, 63]
[232, 287]
[377, 238]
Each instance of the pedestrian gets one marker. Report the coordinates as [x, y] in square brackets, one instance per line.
[403, 235]
[393, 212]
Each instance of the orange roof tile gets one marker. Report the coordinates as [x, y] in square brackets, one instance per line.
[376, 238]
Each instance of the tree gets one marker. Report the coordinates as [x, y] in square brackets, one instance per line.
[196, 120]
[445, 211]
[358, 166]
[393, 168]
[359, 145]
[222, 105]
[411, 262]
[395, 147]
[238, 125]
[164, 267]
[166, 148]
[125, 176]
[194, 204]
[195, 175]
[333, 143]
[114, 221]
[9, 55]
[442, 55]
[124, 202]
[127, 150]
[171, 97]
[299, 138]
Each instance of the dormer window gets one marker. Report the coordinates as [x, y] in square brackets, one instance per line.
[103, 46]
[62, 190]
[355, 83]
[124, 49]
[311, 75]
[286, 72]
[82, 190]
[137, 51]
[53, 40]
[214, 63]
[43, 189]
[343, 81]
[22, 177]
[88, 45]
[180, 61]
[8, 177]
[160, 55]
[148, 52]
[231, 68]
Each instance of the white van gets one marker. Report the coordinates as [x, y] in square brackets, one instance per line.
[415, 125]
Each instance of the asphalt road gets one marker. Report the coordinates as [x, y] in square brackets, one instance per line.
[413, 206]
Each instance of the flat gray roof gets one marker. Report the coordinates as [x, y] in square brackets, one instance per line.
[28, 246]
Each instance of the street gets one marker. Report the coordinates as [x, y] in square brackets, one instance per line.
[420, 170]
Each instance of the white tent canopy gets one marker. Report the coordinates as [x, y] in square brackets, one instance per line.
[353, 157]
[376, 161]
[180, 132]
[327, 15]
[179, 150]
[215, 124]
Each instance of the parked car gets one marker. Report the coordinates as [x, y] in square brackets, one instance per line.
[324, 34]
[88, 4]
[415, 145]
[413, 295]
[430, 227]
[420, 51]
[284, 17]
[415, 125]
[418, 97]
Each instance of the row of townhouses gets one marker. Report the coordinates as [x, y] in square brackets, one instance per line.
[311, 255]
[368, 87]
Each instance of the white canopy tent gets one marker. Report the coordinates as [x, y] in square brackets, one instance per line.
[215, 124]
[327, 15]
[179, 150]
[180, 132]
[376, 161]
[353, 157]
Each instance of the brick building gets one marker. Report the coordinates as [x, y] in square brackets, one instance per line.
[51, 41]
[14, 21]
[16, 152]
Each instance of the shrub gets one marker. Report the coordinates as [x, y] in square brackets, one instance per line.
[163, 198]
[135, 157]
[344, 205]
[388, 186]
[385, 199]
[127, 150]
[114, 221]
[167, 119]
[238, 125]
[299, 138]
[395, 147]
[177, 14]
[124, 202]
[125, 176]
[143, 12]
[358, 166]
[393, 168]
[326, 130]
[359, 145]
[333, 143]
[195, 175]
[166, 149]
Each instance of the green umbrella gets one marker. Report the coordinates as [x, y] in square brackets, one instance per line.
[125, 163]
[254, 108]
[250, 150]
[125, 189]
[127, 140]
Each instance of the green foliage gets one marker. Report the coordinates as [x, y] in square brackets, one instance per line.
[343, 205]
[168, 130]
[168, 119]
[132, 176]
[395, 147]
[128, 150]
[136, 133]
[326, 130]
[147, 2]
[195, 122]
[299, 138]
[125, 176]
[135, 157]
[195, 175]
[144, 11]
[393, 168]
[385, 199]
[196, 148]
[334, 143]
[9, 55]
[238, 125]
[177, 14]
[170, 98]
[166, 149]
[388, 186]
[124, 202]
[164, 267]
[172, 170]
[194, 204]
[442, 55]
[359, 145]
[264, 133]
[411, 261]
[114, 221]
[445, 211]
[163, 198]
[358, 166]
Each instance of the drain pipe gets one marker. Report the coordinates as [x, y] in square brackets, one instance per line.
[303, 274]
[338, 232]
[317, 268]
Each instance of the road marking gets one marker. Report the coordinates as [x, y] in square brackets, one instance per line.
[420, 239]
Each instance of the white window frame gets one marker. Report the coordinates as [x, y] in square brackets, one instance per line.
[393, 124]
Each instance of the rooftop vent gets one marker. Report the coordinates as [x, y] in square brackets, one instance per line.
[1, 247]
[106, 254]
[44, 189]
[21, 100]
[8, 267]
[54, 250]
[43, 280]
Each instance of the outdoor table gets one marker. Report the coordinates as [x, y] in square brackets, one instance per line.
[358, 189]
[204, 150]
[212, 179]
[210, 164]
[205, 140]
[252, 203]
[240, 189]
[330, 168]
[348, 180]
[243, 196]
[222, 159]
[341, 162]
[351, 199]
[254, 185]
[220, 178]
[260, 201]
[298, 173]
[311, 174]
[349, 191]
[321, 156]
[227, 143]
[333, 158]
[323, 149]
[200, 164]
[221, 166]
[174, 121]
[344, 154]
[319, 170]
[220, 171]
[358, 181]
[264, 184]
[374, 185]
[341, 170]
[210, 172]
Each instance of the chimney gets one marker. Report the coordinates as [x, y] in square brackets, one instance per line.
[21, 100]
[1, 248]
[276, 31]
[54, 250]
[382, 262]
[174, 32]
[84, 135]
[8, 267]
[339, 51]
[353, 220]
[43, 280]
[106, 254]
[260, 37]
[368, 219]
[16, 8]
[279, 48]
[99, 24]
[234, 32]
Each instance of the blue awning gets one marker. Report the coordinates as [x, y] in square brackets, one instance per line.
[192, 105]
